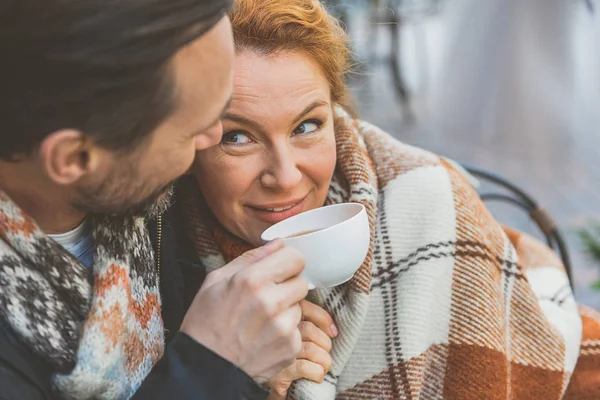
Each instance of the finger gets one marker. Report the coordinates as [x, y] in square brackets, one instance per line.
[311, 352]
[308, 370]
[286, 294]
[280, 266]
[318, 316]
[310, 333]
[294, 316]
[244, 261]
[286, 334]
[260, 253]
[253, 256]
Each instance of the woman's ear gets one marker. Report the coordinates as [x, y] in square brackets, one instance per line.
[67, 155]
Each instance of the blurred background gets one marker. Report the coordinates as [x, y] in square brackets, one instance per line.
[510, 86]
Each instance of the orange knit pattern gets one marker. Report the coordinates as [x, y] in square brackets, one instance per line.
[101, 338]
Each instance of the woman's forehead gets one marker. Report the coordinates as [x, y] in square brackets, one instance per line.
[286, 81]
[284, 72]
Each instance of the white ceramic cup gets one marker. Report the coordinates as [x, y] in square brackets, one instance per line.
[335, 248]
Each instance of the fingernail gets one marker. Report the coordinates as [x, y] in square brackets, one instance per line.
[334, 330]
[272, 243]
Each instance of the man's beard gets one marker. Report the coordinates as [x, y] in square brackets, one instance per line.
[121, 194]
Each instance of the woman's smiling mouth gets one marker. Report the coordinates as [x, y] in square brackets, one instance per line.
[276, 212]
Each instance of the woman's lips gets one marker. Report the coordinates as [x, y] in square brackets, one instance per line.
[277, 212]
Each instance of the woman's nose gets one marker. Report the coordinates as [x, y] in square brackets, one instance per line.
[282, 172]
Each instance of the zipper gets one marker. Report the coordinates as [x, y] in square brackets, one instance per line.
[158, 245]
[159, 224]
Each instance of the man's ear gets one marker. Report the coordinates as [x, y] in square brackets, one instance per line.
[67, 156]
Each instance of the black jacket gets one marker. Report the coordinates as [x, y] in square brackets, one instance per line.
[187, 370]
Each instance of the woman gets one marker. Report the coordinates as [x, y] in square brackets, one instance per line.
[447, 304]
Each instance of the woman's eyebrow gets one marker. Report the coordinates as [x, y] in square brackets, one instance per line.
[246, 121]
[242, 120]
[309, 108]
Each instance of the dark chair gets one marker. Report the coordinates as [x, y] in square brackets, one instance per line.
[386, 13]
[393, 14]
[517, 197]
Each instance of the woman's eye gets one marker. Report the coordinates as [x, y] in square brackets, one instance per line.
[235, 138]
[307, 127]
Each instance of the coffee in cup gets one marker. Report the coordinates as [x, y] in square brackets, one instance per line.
[301, 234]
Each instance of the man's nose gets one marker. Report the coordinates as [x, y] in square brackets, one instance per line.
[210, 137]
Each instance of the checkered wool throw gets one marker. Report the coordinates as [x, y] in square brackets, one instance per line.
[447, 304]
[102, 338]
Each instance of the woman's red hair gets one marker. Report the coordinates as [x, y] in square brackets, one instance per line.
[272, 26]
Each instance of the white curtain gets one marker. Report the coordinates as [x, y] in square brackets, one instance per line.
[510, 66]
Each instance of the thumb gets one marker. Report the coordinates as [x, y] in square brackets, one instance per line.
[244, 261]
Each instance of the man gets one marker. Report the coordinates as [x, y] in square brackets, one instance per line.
[103, 105]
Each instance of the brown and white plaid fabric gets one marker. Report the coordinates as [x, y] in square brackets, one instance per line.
[447, 304]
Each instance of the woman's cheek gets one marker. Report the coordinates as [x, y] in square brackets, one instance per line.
[326, 162]
[237, 183]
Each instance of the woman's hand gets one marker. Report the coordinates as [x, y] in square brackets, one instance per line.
[314, 361]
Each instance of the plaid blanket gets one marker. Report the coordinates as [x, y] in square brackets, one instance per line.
[448, 304]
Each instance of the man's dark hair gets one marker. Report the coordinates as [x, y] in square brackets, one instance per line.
[97, 66]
